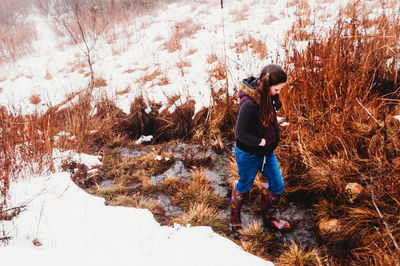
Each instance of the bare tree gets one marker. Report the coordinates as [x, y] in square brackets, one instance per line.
[83, 21]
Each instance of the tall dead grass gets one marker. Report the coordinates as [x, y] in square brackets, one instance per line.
[16, 34]
[27, 141]
[26, 146]
[174, 122]
[344, 91]
[216, 123]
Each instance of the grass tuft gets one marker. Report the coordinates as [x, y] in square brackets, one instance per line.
[35, 99]
[255, 240]
[198, 191]
[297, 256]
[201, 214]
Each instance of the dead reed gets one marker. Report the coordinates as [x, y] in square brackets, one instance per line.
[16, 33]
[340, 105]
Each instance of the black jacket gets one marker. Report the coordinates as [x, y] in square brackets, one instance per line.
[249, 130]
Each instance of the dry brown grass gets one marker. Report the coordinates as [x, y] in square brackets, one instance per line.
[74, 66]
[201, 214]
[171, 185]
[198, 191]
[125, 91]
[129, 71]
[99, 82]
[255, 240]
[48, 76]
[212, 58]
[182, 64]
[219, 72]
[191, 51]
[26, 143]
[269, 19]
[141, 168]
[257, 46]
[240, 46]
[113, 192]
[183, 29]
[142, 123]
[158, 38]
[136, 202]
[174, 43]
[240, 14]
[192, 160]
[295, 255]
[342, 96]
[216, 123]
[35, 99]
[80, 119]
[16, 38]
[175, 125]
[163, 80]
[150, 76]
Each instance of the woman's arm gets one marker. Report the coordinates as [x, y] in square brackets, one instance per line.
[244, 116]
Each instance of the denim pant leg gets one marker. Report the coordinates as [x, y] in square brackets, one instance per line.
[272, 173]
[248, 166]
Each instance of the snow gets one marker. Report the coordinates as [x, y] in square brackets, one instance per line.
[76, 228]
[143, 139]
[285, 124]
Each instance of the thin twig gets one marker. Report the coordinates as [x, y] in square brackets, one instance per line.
[368, 36]
[14, 208]
[384, 222]
[368, 113]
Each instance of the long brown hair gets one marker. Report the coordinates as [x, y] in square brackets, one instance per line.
[270, 75]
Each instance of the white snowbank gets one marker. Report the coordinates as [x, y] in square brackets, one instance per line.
[76, 228]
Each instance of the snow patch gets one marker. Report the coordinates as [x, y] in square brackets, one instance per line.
[76, 228]
[143, 139]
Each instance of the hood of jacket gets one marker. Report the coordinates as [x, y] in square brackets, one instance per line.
[249, 87]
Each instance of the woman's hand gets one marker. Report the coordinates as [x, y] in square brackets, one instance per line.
[262, 143]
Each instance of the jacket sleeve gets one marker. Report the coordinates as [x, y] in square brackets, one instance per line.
[244, 116]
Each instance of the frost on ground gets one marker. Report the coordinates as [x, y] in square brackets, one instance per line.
[64, 225]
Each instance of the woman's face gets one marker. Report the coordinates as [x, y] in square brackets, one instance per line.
[276, 89]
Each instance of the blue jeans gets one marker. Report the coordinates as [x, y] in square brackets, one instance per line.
[249, 164]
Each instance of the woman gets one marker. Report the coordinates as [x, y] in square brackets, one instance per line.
[257, 136]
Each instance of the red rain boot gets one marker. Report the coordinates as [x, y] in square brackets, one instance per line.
[236, 204]
[269, 202]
